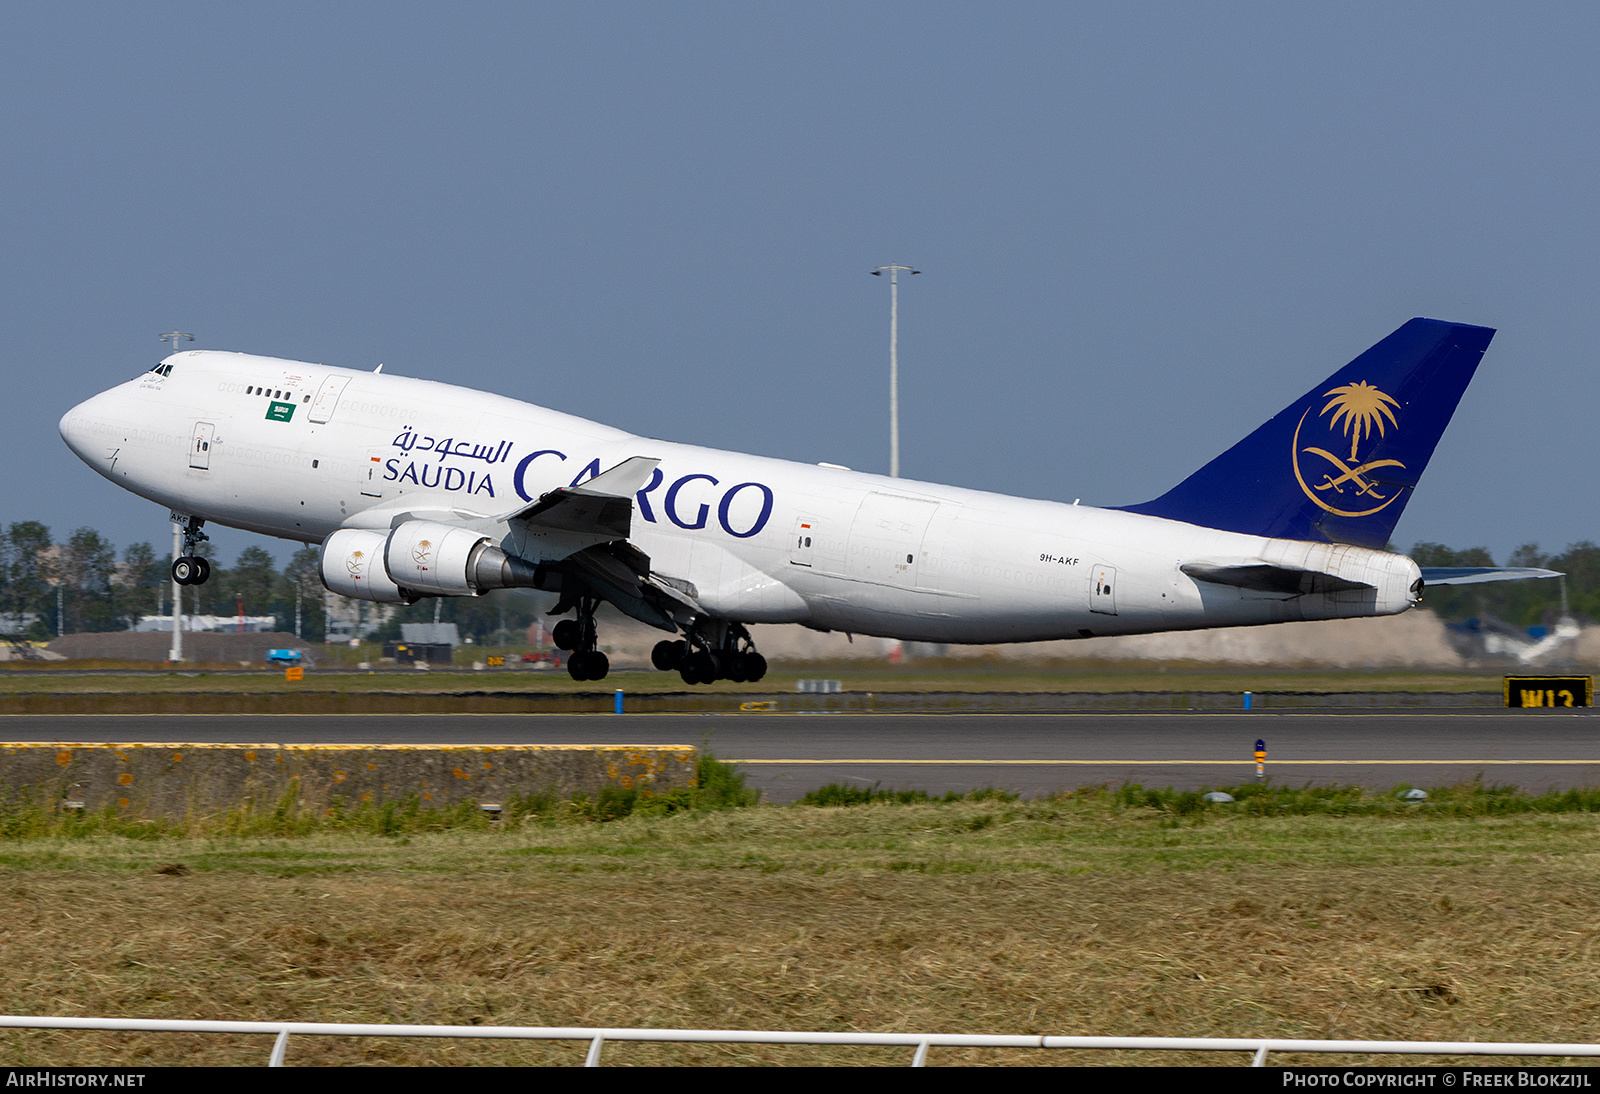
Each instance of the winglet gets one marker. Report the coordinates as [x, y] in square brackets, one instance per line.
[621, 481]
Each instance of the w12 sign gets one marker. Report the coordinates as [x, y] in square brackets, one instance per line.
[1549, 691]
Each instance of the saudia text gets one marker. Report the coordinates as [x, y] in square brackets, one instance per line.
[657, 500]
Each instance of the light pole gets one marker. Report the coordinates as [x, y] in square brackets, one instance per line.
[175, 653]
[894, 362]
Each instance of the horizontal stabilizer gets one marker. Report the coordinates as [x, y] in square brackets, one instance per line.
[1472, 575]
[603, 505]
[1265, 577]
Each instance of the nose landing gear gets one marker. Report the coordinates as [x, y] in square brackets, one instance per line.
[190, 568]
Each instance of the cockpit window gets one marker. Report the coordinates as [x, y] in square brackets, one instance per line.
[160, 370]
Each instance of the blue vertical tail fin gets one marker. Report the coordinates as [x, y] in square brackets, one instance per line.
[1340, 463]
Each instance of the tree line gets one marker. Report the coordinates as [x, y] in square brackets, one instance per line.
[48, 589]
[80, 584]
[1521, 603]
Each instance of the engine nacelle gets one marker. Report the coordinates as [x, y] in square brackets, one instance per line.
[352, 565]
[447, 560]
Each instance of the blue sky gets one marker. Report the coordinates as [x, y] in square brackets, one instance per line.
[1145, 228]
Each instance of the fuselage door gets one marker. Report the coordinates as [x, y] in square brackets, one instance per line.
[886, 538]
[327, 398]
[200, 447]
[1103, 590]
[372, 474]
[800, 542]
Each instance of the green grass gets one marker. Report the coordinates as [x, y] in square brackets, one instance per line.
[1293, 912]
[718, 785]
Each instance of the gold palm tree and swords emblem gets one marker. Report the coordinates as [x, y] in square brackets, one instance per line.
[1363, 411]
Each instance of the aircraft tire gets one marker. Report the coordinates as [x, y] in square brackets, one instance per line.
[599, 665]
[668, 655]
[698, 668]
[755, 667]
[184, 570]
[205, 570]
[565, 636]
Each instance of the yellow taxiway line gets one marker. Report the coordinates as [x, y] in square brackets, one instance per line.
[1183, 763]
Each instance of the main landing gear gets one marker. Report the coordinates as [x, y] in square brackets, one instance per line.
[714, 650]
[578, 636]
[190, 568]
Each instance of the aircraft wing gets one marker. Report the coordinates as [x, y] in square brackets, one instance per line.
[1472, 575]
[579, 535]
[601, 506]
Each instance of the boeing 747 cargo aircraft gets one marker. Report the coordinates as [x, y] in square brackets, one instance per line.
[420, 489]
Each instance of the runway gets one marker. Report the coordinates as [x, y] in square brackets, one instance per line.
[787, 754]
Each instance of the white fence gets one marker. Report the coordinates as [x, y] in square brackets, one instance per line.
[921, 1042]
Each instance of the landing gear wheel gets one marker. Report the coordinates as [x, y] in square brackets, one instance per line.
[566, 635]
[588, 665]
[190, 568]
[669, 655]
[747, 668]
[698, 668]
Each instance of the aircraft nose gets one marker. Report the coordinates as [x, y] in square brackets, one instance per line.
[77, 426]
[72, 430]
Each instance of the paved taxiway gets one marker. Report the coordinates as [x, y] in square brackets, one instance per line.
[788, 754]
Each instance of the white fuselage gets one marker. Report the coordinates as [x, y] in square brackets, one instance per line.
[760, 540]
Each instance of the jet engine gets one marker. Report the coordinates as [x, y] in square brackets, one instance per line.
[426, 557]
[352, 565]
